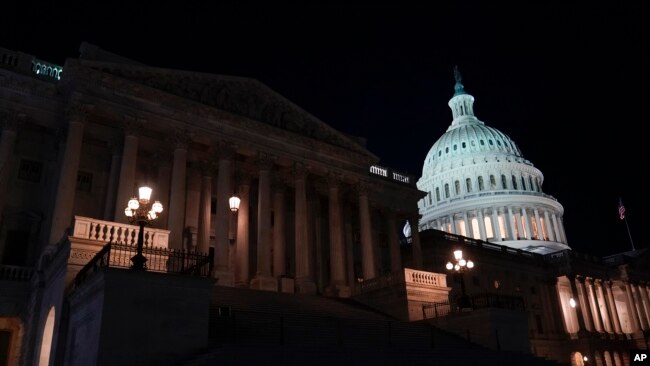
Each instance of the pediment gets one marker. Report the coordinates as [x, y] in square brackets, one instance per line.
[241, 96]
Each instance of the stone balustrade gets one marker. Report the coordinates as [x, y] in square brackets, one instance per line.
[425, 278]
[115, 232]
[15, 273]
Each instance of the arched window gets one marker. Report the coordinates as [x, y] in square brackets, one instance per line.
[482, 142]
[437, 194]
[446, 190]
[523, 183]
[468, 185]
[493, 182]
[439, 152]
[491, 142]
[464, 144]
[504, 182]
[457, 187]
[447, 150]
[481, 185]
[455, 147]
[514, 182]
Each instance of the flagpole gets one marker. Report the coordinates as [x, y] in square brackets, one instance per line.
[629, 234]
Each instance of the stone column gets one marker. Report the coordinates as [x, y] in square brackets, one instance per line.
[338, 283]
[242, 271]
[644, 299]
[110, 202]
[176, 209]
[585, 305]
[509, 225]
[126, 188]
[582, 311]
[520, 227]
[468, 226]
[631, 308]
[452, 224]
[393, 242]
[526, 220]
[495, 224]
[549, 227]
[607, 324]
[415, 238]
[225, 155]
[205, 213]
[263, 279]
[8, 123]
[367, 249]
[638, 302]
[304, 280]
[279, 235]
[538, 224]
[616, 322]
[163, 159]
[556, 230]
[481, 224]
[64, 202]
[593, 302]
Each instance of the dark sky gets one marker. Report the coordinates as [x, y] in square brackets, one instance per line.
[567, 82]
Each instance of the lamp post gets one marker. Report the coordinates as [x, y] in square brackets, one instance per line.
[140, 212]
[460, 266]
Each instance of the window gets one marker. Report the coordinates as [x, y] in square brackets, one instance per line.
[523, 183]
[468, 184]
[84, 181]
[491, 142]
[457, 187]
[464, 145]
[504, 182]
[455, 147]
[514, 182]
[447, 150]
[530, 184]
[30, 171]
[493, 182]
[437, 194]
[482, 142]
[446, 190]
[481, 185]
[439, 152]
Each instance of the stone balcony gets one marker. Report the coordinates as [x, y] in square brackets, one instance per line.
[402, 294]
[89, 235]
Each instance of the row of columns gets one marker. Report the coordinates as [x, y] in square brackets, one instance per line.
[596, 308]
[124, 183]
[506, 223]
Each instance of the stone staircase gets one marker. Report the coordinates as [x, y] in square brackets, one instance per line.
[249, 327]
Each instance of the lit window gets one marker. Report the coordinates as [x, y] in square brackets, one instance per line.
[489, 233]
[476, 231]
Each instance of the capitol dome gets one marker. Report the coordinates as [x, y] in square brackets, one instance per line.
[480, 185]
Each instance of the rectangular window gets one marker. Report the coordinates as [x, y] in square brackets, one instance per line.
[30, 171]
[84, 181]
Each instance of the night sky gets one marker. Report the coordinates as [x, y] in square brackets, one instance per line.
[567, 83]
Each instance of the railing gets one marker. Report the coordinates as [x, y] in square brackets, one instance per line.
[16, 273]
[425, 278]
[494, 193]
[160, 260]
[480, 301]
[407, 276]
[115, 232]
[391, 174]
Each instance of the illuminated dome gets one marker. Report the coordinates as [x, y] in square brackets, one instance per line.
[479, 185]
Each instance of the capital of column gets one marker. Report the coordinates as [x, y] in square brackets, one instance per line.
[299, 171]
[362, 187]
[265, 161]
[181, 138]
[78, 112]
[132, 126]
[223, 150]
